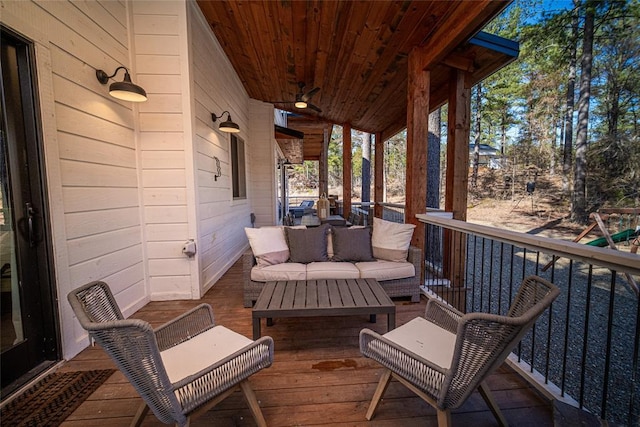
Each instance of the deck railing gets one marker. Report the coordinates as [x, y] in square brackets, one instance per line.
[393, 212]
[585, 349]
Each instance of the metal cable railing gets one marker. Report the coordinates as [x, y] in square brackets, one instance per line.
[585, 349]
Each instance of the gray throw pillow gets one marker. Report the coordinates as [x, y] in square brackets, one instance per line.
[307, 245]
[352, 244]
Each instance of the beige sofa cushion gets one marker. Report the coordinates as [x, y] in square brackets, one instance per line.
[284, 271]
[391, 240]
[332, 270]
[268, 244]
[385, 270]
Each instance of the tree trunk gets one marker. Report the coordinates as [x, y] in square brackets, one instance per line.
[568, 118]
[476, 148]
[579, 208]
[433, 160]
[613, 113]
[366, 169]
[503, 139]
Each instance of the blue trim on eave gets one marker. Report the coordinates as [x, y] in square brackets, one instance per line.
[496, 43]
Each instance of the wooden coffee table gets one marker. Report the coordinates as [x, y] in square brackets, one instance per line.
[331, 297]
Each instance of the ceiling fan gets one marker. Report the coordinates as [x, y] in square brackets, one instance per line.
[302, 98]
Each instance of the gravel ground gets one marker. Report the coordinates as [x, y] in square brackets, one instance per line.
[582, 311]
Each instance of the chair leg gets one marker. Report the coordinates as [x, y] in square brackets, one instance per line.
[488, 397]
[444, 418]
[142, 411]
[254, 406]
[377, 396]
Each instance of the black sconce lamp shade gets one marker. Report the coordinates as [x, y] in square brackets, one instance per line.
[228, 125]
[126, 89]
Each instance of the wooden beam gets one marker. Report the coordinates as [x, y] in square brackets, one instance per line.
[346, 170]
[468, 14]
[378, 180]
[459, 62]
[417, 136]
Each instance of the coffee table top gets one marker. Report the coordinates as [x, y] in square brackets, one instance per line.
[330, 297]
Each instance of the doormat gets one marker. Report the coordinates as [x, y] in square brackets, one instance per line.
[51, 400]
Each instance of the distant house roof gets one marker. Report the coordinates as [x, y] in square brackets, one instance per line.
[485, 150]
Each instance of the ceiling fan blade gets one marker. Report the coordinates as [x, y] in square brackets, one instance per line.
[313, 107]
[307, 96]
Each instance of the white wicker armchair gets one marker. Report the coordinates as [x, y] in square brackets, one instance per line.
[446, 355]
[180, 369]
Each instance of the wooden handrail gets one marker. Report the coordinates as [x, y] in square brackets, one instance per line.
[615, 260]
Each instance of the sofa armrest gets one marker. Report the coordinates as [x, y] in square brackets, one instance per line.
[248, 261]
[251, 289]
[413, 257]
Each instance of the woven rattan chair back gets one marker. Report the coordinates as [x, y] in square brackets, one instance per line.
[97, 303]
[132, 345]
[477, 342]
[485, 340]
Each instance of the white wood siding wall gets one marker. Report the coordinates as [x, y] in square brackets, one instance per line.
[263, 158]
[217, 88]
[90, 151]
[161, 58]
[129, 183]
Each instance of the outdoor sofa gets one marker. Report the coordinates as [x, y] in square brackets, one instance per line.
[382, 252]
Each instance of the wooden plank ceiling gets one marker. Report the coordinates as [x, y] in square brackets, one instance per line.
[355, 52]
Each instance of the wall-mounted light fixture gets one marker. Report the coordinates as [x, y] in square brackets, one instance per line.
[218, 173]
[282, 162]
[228, 125]
[125, 90]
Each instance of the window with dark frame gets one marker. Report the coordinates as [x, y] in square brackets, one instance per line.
[238, 176]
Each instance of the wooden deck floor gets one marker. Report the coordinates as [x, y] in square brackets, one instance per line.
[318, 376]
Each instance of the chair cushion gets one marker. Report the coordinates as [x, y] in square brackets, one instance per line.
[268, 245]
[385, 270]
[425, 339]
[332, 270]
[308, 245]
[391, 240]
[201, 351]
[352, 244]
[285, 271]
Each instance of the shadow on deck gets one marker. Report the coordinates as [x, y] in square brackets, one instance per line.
[318, 377]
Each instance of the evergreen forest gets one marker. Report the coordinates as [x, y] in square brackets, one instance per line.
[567, 108]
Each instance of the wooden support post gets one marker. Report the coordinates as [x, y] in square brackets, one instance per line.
[346, 170]
[365, 192]
[418, 90]
[459, 119]
[323, 165]
[457, 177]
[378, 180]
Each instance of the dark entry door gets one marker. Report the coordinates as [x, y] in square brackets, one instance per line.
[28, 318]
